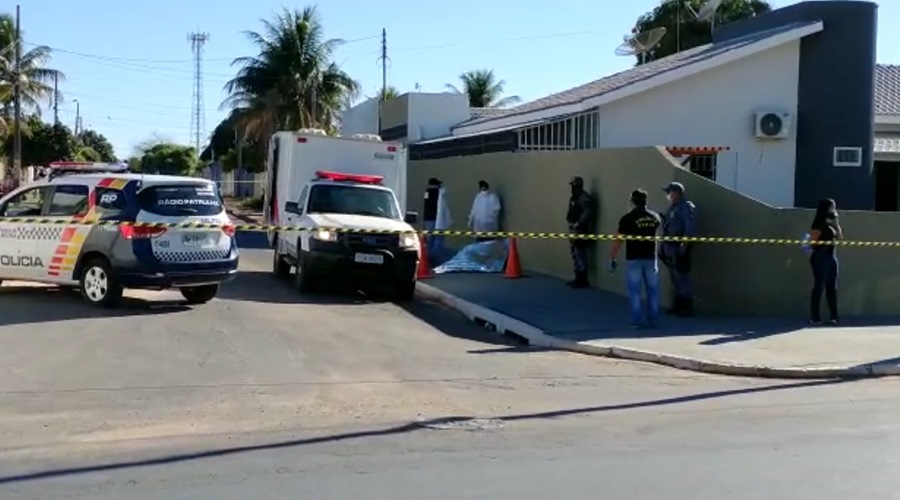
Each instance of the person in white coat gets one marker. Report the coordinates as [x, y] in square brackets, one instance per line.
[485, 214]
[442, 222]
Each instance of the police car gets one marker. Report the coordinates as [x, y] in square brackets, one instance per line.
[102, 260]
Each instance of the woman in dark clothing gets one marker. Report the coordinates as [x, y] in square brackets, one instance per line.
[825, 228]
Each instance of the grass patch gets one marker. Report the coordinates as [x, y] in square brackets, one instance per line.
[255, 203]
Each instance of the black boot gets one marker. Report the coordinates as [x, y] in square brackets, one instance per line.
[581, 280]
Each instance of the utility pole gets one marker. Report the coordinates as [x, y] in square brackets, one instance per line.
[56, 98]
[384, 65]
[198, 40]
[17, 107]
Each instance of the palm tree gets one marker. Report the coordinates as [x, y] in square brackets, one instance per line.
[484, 90]
[36, 80]
[388, 93]
[292, 82]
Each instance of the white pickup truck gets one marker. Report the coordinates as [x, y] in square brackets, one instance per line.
[343, 201]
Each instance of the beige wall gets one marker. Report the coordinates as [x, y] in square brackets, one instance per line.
[747, 279]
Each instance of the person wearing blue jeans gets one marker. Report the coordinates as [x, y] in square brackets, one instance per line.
[826, 230]
[640, 227]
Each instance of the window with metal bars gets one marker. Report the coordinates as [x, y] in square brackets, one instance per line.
[581, 131]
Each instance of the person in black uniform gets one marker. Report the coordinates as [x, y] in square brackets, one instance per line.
[640, 259]
[825, 228]
[429, 214]
[579, 218]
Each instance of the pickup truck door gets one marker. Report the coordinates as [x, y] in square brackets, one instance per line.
[293, 220]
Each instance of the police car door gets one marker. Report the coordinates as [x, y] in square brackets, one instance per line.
[19, 241]
[68, 202]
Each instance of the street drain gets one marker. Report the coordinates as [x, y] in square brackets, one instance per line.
[462, 424]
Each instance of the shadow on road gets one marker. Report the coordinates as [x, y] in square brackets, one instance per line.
[262, 286]
[401, 429]
[36, 304]
[451, 323]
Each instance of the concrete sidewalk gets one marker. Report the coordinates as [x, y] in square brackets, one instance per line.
[545, 312]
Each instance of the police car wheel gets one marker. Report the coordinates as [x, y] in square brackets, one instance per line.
[199, 294]
[98, 284]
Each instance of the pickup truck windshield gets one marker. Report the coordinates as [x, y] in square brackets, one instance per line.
[353, 200]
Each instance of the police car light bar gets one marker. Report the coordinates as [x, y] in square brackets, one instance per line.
[60, 168]
[342, 177]
[89, 165]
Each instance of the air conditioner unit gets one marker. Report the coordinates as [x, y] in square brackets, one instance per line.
[772, 125]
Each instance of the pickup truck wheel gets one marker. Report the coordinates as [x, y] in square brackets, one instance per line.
[280, 267]
[199, 294]
[405, 291]
[304, 282]
[98, 284]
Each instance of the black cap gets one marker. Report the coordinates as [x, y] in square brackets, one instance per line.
[434, 182]
[576, 181]
[674, 187]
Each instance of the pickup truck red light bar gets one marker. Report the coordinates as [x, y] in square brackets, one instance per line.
[342, 177]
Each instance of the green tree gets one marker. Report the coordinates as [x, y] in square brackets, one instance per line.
[293, 81]
[693, 33]
[168, 159]
[36, 79]
[102, 148]
[484, 90]
[43, 143]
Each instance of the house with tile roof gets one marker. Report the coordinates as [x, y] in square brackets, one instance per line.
[779, 108]
[887, 136]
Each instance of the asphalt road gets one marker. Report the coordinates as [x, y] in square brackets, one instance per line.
[264, 393]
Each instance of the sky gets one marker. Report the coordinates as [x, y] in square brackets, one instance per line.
[129, 67]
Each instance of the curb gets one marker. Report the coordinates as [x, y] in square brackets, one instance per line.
[533, 336]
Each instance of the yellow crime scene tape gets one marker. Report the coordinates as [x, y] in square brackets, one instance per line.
[450, 233]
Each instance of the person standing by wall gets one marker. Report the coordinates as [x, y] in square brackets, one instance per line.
[443, 221]
[485, 214]
[680, 221]
[430, 211]
[826, 229]
[579, 217]
[640, 260]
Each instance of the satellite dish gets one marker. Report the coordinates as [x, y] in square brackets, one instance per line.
[641, 43]
[708, 10]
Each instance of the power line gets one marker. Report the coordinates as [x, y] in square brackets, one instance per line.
[164, 61]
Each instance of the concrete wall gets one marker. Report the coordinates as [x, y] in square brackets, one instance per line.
[361, 119]
[432, 115]
[731, 278]
[716, 108]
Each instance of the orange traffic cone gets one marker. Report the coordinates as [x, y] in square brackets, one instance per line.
[424, 270]
[513, 264]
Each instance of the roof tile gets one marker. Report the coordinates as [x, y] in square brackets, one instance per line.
[887, 89]
[638, 73]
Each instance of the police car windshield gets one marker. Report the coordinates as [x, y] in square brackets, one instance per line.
[181, 200]
[353, 200]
